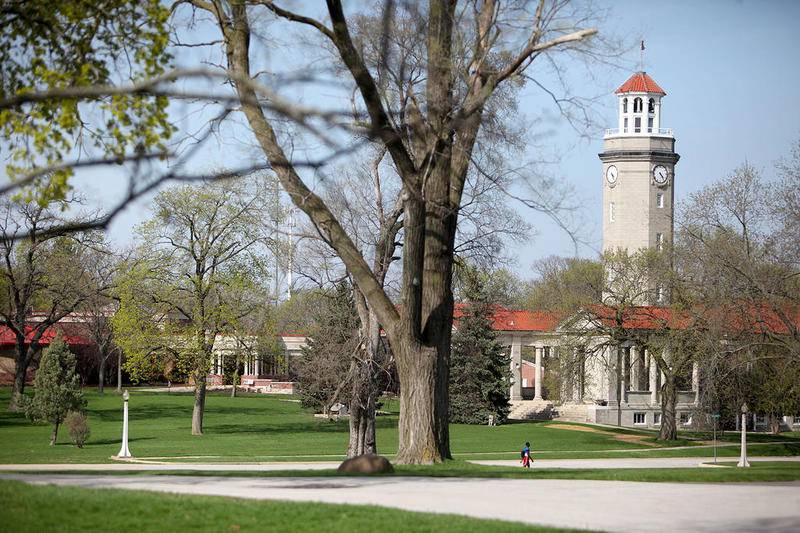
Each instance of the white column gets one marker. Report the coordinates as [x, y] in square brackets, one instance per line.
[516, 369]
[258, 366]
[657, 118]
[653, 380]
[538, 372]
[634, 361]
[613, 384]
[620, 114]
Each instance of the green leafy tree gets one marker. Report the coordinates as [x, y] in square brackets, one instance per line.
[58, 388]
[203, 250]
[64, 52]
[479, 367]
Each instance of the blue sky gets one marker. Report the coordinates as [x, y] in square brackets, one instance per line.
[730, 70]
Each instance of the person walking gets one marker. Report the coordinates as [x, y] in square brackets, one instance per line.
[526, 455]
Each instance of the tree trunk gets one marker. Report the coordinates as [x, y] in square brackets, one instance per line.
[418, 442]
[101, 375]
[234, 379]
[199, 403]
[774, 425]
[362, 410]
[119, 371]
[54, 434]
[21, 363]
[669, 396]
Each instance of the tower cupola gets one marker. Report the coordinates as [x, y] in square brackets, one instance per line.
[640, 107]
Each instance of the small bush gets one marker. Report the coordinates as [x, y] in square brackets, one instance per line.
[78, 426]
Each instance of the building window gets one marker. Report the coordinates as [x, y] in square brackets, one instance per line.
[637, 105]
[685, 419]
[651, 106]
[660, 200]
[656, 419]
[659, 241]
[760, 420]
[611, 213]
[637, 124]
[624, 105]
[650, 125]
[639, 419]
[625, 125]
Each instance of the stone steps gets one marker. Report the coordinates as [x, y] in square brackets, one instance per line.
[572, 412]
[531, 410]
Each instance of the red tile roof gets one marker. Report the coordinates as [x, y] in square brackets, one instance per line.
[640, 82]
[70, 335]
[733, 318]
[517, 320]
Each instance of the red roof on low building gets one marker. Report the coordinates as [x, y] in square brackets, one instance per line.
[640, 82]
[70, 335]
[734, 318]
[517, 320]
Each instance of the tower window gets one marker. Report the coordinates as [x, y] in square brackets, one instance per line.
[611, 212]
[659, 241]
[637, 105]
[625, 125]
[624, 105]
[650, 125]
[660, 200]
[651, 106]
[637, 124]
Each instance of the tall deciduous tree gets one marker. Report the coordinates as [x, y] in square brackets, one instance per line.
[430, 140]
[43, 272]
[203, 245]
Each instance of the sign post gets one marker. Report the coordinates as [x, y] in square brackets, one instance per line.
[715, 416]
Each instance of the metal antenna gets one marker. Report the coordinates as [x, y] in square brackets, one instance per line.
[641, 57]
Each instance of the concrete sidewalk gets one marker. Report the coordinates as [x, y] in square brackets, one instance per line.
[626, 462]
[151, 465]
[583, 504]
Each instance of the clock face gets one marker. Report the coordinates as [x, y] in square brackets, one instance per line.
[660, 175]
[611, 175]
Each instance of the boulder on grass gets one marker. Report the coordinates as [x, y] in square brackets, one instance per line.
[369, 463]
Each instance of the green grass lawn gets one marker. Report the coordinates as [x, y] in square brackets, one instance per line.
[30, 508]
[270, 428]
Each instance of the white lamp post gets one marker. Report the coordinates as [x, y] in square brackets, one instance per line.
[124, 451]
[743, 458]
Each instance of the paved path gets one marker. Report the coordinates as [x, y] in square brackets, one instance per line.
[142, 467]
[627, 462]
[598, 505]
[151, 464]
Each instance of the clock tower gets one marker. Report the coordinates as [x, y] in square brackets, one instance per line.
[638, 171]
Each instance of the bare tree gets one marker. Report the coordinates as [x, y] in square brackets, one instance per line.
[43, 274]
[201, 250]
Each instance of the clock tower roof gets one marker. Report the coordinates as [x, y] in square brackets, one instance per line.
[640, 82]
